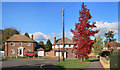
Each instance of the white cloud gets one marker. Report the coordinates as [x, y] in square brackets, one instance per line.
[70, 34]
[42, 36]
[105, 27]
[55, 35]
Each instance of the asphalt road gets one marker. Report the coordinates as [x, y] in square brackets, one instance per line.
[28, 63]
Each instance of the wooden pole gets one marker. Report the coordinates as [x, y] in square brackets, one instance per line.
[63, 34]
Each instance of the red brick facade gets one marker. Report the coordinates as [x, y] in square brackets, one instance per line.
[9, 47]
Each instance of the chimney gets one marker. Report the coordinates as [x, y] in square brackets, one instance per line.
[32, 37]
[54, 40]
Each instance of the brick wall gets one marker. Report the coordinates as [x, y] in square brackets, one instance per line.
[8, 48]
[105, 63]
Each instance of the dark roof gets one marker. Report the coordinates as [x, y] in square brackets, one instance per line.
[67, 41]
[19, 37]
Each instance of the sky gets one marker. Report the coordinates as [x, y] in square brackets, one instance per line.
[44, 19]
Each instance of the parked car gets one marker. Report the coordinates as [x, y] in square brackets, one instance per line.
[30, 54]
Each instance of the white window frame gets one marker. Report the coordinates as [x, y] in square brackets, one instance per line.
[12, 51]
[20, 43]
[28, 44]
[13, 43]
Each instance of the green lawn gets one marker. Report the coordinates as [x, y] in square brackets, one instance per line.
[75, 63]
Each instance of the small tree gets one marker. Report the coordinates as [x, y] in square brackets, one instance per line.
[26, 34]
[98, 46]
[83, 31]
[48, 46]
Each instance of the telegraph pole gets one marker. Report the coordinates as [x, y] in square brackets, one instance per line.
[63, 35]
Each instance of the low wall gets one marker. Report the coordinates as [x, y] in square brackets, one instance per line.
[105, 63]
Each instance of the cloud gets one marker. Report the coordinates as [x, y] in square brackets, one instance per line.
[42, 36]
[70, 34]
[105, 27]
[55, 35]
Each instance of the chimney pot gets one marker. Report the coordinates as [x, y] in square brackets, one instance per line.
[32, 37]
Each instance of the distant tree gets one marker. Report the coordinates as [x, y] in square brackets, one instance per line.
[48, 46]
[82, 33]
[9, 32]
[26, 34]
[109, 37]
[98, 46]
[41, 43]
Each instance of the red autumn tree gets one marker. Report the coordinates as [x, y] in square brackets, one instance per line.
[83, 31]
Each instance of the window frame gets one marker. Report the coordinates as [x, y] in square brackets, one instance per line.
[12, 51]
[28, 43]
[20, 43]
[12, 43]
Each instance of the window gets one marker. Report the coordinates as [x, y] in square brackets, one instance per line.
[73, 52]
[69, 45]
[28, 50]
[13, 43]
[28, 44]
[35, 45]
[20, 43]
[12, 51]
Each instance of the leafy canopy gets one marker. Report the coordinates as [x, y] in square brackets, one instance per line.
[83, 31]
[98, 46]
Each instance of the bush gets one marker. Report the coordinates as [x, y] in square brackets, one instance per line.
[105, 53]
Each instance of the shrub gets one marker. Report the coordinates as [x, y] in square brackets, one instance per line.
[105, 53]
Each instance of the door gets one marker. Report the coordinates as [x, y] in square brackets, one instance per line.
[20, 51]
[40, 53]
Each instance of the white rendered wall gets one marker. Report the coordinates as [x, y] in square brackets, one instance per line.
[61, 46]
[60, 54]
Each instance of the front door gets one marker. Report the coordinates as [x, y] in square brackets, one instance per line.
[20, 51]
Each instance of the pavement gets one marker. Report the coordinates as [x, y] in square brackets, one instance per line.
[95, 64]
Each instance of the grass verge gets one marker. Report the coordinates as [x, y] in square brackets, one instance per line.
[75, 63]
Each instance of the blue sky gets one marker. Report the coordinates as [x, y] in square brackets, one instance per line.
[44, 19]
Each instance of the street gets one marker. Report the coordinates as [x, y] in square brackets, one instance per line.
[28, 63]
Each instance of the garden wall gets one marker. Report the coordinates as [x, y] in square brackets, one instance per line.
[105, 63]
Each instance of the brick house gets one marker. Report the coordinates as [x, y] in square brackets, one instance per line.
[17, 44]
[58, 46]
[112, 45]
[68, 53]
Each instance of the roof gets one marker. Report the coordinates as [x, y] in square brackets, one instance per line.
[19, 37]
[40, 49]
[113, 44]
[67, 41]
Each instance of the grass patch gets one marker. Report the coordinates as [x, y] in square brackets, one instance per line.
[75, 63]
